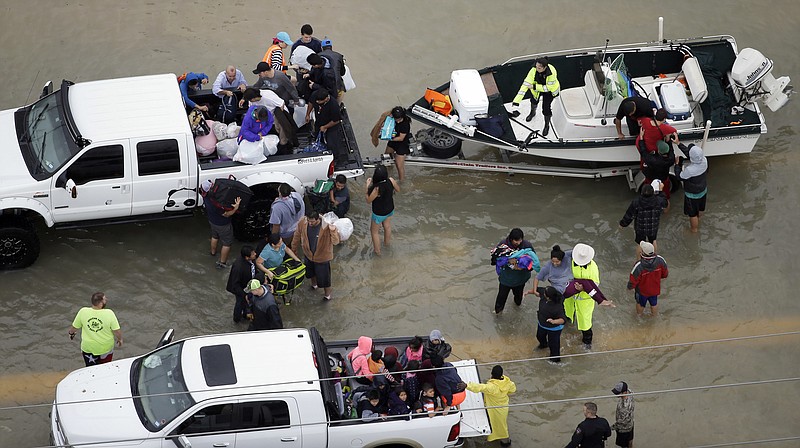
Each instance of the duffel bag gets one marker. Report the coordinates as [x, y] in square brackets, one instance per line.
[288, 276]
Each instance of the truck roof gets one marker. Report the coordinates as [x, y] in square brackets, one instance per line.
[122, 108]
[262, 361]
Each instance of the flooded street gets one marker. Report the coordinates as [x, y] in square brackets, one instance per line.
[736, 277]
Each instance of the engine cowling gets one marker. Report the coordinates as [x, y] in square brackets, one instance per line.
[752, 77]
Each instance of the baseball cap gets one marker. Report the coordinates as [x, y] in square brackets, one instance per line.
[663, 147]
[261, 67]
[621, 387]
[284, 36]
[327, 42]
[252, 285]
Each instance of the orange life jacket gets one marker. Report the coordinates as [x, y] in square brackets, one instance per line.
[439, 102]
[268, 56]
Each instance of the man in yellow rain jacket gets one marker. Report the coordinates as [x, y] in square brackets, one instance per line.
[495, 393]
[581, 306]
[542, 81]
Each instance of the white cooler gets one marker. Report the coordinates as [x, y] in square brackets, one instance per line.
[674, 100]
[468, 95]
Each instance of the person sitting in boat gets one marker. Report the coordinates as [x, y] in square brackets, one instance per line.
[633, 109]
[542, 81]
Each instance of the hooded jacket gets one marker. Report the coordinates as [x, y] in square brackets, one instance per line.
[253, 130]
[694, 173]
[184, 86]
[429, 349]
[495, 393]
[447, 380]
[645, 211]
[397, 406]
[358, 357]
[646, 275]
[266, 315]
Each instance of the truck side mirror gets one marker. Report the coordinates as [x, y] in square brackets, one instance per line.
[67, 184]
[182, 442]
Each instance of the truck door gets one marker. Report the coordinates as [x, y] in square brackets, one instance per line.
[160, 165]
[273, 422]
[207, 427]
[96, 184]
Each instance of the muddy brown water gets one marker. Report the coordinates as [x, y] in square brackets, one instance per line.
[737, 277]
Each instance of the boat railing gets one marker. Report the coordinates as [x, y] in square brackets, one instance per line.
[622, 48]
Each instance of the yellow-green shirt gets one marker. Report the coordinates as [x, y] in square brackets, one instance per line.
[97, 329]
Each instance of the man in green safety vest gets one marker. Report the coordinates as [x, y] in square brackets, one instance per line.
[542, 81]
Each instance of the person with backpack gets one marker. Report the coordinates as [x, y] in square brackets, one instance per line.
[286, 211]
[219, 219]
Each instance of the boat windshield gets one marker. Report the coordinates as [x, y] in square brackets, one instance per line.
[159, 390]
[45, 135]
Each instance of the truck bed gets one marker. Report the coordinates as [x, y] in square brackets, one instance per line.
[474, 419]
[352, 168]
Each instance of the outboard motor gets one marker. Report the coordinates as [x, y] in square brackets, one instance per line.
[752, 76]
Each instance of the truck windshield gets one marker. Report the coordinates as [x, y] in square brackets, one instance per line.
[159, 390]
[46, 137]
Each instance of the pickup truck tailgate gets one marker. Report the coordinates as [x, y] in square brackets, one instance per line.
[474, 419]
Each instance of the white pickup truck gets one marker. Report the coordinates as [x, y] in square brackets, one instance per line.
[249, 389]
[122, 150]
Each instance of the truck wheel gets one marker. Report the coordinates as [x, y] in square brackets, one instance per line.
[19, 245]
[253, 223]
[438, 144]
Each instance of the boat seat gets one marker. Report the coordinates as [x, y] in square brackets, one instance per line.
[576, 103]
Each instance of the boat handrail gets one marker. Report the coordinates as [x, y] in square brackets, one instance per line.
[699, 129]
[621, 47]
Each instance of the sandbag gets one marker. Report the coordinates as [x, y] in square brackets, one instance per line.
[219, 129]
[233, 130]
[250, 152]
[349, 84]
[270, 143]
[226, 149]
[205, 144]
[345, 227]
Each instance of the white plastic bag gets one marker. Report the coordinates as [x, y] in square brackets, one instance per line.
[233, 130]
[300, 116]
[345, 226]
[226, 149]
[349, 84]
[270, 143]
[330, 217]
[250, 152]
[220, 130]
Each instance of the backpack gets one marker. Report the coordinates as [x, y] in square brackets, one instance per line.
[288, 276]
[225, 191]
[227, 109]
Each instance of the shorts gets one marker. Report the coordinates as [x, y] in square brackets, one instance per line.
[644, 237]
[644, 300]
[693, 207]
[400, 149]
[624, 438]
[92, 360]
[377, 219]
[222, 233]
[322, 271]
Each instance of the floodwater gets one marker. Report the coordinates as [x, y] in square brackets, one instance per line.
[737, 277]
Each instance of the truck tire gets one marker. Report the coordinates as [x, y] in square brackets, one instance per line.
[19, 245]
[253, 223]
[438, 144]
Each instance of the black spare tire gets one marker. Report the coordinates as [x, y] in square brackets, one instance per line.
[439, 144]
[19, 245]
[252, 223]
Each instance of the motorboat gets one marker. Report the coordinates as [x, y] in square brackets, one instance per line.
[709, 87]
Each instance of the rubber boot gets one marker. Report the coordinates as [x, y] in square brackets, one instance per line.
[533, 111]
[546, 129]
